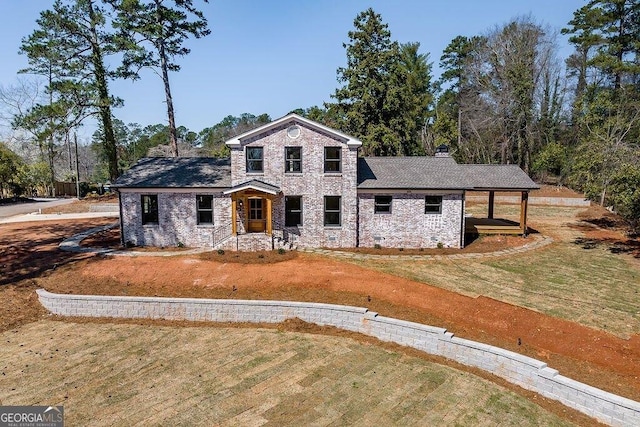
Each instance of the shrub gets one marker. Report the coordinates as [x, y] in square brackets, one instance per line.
[440, 245]
[180, 245]
[220, 251]
[281, 251]
[377, 246]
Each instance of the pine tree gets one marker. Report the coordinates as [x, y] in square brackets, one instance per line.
[152, 34]
[375, 104]
[69, 47]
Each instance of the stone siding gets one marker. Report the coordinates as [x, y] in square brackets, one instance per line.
[407, 225]
[177, 219]
[523, 371]
[312, 184]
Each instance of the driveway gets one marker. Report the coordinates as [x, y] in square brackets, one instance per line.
[23, 208]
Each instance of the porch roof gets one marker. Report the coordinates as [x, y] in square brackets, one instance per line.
[254, 184]
[438, 173]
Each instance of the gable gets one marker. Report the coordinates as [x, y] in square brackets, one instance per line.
[286, 122]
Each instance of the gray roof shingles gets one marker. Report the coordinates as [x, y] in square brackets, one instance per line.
[175, 172]
[438, 173]
[384, 173]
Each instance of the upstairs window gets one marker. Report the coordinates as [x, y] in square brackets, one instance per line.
[332, 212]
[293, 211]
[293, 159]
[382, 204]
[332, 161]
[433, 204]
[149, 209]
[255, 159]
[205, 209]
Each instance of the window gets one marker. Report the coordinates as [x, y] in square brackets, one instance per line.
[254, 159]
[332, 159]
[293, 211]
[332, 210]
[293, 132]
[205, 209]
[255, 209]
[292, 159]
[382, 204]
[150, 209]
[433, 204]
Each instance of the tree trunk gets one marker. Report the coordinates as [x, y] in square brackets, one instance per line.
[173, 133]
[104, 108]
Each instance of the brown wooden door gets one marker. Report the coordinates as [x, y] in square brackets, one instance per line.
[256, 216]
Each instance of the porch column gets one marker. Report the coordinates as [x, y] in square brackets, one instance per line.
[492, 195]
[234, 215]
[269, 204]
[523, 212]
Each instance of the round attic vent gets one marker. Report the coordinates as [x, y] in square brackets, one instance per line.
[293, 132]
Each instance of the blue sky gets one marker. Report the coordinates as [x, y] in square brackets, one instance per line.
[278, 55]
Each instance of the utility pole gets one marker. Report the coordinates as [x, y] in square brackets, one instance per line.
[75, 139]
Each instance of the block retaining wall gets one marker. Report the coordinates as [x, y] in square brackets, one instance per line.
[523, 371]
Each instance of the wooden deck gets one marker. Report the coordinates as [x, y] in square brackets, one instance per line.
[492, 226]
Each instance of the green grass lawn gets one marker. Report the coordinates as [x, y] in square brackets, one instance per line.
[589, 285]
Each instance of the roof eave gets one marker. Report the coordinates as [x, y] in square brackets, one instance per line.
[236, 142]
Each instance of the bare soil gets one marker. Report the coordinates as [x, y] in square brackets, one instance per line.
[83, 205]
[169, 374]
[592, 356]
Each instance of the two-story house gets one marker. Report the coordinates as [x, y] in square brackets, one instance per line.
[297, 183]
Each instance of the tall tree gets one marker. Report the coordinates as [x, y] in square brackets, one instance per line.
[605, 34]
[10, 164]
[507, 92]
[373, 102]
[417, 84]
[70, 44]
[153, 34]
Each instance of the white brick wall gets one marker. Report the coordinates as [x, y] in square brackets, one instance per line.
[177, 219]
[312, 184]
[407, 226]
[523, 371]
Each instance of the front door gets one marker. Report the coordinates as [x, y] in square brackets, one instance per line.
[256, 216]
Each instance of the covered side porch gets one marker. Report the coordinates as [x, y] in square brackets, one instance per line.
[252, 207]
[492, 225]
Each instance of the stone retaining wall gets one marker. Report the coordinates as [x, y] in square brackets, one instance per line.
[523, 371]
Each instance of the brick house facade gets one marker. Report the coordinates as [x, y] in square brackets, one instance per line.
[297, 183]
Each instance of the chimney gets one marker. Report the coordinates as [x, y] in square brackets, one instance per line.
[442, 151]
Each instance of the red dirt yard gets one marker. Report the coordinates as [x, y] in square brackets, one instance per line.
[30, 259]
